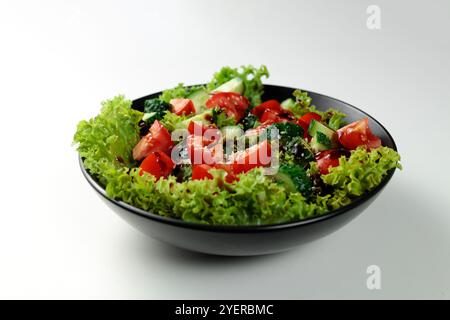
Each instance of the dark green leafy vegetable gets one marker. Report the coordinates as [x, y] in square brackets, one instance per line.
[250, 121]
[155, 105]
[183, 172]
[297, 151]
[155, 109]
[286, 131]
[293, 148]
[294, 179]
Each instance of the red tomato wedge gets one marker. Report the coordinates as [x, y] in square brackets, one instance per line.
[374, 142]
[357, 134]
[201, 171]
[305, 129]
[272, 105]
[327, 159]
[270, 112]
[258, 155]
[182, 106]
[158, 139]
[158, 164]
[233, 103]
[269, 117]
[307, 118]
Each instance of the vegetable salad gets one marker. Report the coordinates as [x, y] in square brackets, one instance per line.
[202, 154]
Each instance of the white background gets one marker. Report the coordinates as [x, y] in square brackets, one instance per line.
[59, 59]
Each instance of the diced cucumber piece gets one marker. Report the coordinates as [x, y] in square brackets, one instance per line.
[294, 179]
[205, 118]
[147, 116]
[199, 98]
[318, 147]
[323, 138]
[233, 85]
[288, 104]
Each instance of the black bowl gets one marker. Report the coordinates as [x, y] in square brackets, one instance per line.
[251, 240]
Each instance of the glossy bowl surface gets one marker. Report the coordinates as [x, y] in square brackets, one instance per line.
[251, 240]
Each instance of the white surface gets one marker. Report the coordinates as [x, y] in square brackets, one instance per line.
[59, 59]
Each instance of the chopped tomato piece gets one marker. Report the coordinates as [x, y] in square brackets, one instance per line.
[272, 105]
[357, 134]
[327, 159]
[204, 150]
[270, 116]
[201, 171]
[199, 128]
[233, 103]
[270, 112]
[158, 139]
[305, 129]
[374, 142]
[258, 155]
[182, 106]
[158, 164]
[305, 120]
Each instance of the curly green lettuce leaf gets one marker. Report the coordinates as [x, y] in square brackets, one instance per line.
[302, 104]
[254, 199]
[170, 120]
[313, 168]
[250, 121]
[221, 119]
[106, 141]
[337, 199]
[251, 76]
[334, 118]
[363, 170]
